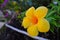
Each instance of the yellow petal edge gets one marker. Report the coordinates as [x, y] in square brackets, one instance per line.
[32, 31]
[43, 25]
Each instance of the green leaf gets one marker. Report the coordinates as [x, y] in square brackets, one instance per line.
[50, 19]
[54, 23]
[50, 13]
[1, 1]
[52, 29]
[19, 16]
[58, 25]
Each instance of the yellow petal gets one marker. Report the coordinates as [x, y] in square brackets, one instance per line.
[32, 31]
[30, 12]
[26, 22]
[41, 12]
[43, 25]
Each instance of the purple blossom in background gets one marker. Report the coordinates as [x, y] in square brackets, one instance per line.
[4, 4]
[6, 15]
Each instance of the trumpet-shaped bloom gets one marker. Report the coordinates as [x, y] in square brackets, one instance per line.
[35, 22]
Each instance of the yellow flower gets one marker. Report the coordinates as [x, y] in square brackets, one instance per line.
[35, 22]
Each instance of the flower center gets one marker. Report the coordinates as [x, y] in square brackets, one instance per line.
[34, 20]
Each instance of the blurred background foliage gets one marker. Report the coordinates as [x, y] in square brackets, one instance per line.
[20, 6]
